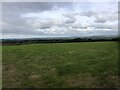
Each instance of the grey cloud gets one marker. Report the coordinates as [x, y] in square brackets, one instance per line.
[100, 21]
[105, 32]
[16, 24]
[39, 23]
[88, 13]
[101, 17]
[69, 21]
[106, 16]
[80, 27]
[70, 18]
[105, 26]
[45, 27]
[19, 7]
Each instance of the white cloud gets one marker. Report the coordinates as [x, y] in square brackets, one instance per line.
[107, 25]
[106, 16]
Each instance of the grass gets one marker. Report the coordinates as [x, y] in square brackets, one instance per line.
[60, 65]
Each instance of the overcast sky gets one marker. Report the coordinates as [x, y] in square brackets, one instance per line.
[44, 19]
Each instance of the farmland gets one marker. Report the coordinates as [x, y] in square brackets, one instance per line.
[60, 65]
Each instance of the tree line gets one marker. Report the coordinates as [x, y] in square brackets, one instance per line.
[54, 40]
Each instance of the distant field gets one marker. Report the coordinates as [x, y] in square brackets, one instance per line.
[84, 65]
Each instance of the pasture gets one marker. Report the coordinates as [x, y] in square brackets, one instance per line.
[60, 65]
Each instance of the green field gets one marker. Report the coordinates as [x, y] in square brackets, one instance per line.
[56, 65]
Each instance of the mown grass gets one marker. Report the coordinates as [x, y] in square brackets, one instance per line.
[61, 65]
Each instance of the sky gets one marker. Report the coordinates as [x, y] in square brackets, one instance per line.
[58, 19]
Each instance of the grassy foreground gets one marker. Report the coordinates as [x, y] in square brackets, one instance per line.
[84, 65]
